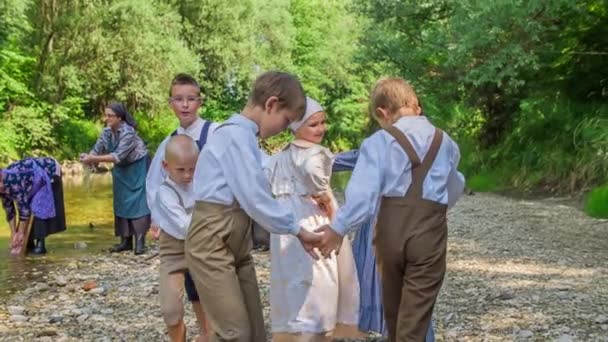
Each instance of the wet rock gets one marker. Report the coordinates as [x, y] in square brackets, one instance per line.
[80, 245]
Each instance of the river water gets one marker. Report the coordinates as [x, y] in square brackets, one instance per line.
[88, 203]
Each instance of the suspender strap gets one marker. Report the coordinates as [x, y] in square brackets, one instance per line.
[179, 197]
[419, 170]
[405, 144]
[202, 139]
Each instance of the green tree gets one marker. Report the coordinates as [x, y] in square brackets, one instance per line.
[127, 50]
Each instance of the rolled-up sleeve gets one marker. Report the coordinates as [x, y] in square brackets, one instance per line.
[9, 207]
[127, 142]
[101, 145]
[456, 179]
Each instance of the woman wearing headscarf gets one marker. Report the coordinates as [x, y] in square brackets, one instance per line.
[120, 144]
[34, 186]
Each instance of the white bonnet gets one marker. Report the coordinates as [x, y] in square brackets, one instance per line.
[312, 107]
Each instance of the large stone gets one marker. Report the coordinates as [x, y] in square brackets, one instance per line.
[16, 310]
[80, 245]
[18, 318]
[48, 332]
[565, 338]
[56, 319]
[601, 319]
[107, 311]
[61, 281]
[525, 334]
[42, 286]
[98, 290]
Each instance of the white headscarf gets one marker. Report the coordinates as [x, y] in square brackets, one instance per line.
[312, 107]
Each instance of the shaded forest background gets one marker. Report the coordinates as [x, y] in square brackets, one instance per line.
[521, 85]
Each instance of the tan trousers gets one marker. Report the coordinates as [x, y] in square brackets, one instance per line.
[218, 256]
[172, 268]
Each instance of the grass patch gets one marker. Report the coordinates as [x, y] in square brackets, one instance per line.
[596, 203]
[484, 182]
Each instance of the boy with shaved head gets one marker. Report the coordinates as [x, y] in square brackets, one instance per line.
[173, 211]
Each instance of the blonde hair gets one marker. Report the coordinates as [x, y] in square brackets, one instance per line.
[286, 87]
[180, 146]
[392, 94]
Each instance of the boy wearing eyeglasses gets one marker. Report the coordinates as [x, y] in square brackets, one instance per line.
[185, 100]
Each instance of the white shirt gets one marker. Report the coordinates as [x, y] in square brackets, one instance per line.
[383, 169]
[173, 217]
[229, 169]
[156, 173]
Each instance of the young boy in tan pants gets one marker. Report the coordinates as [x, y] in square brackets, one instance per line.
[231, 189]
[410, 166]
[172, 212]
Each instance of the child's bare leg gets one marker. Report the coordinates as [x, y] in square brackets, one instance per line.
[205, 329]
[172, 307]
[177, 333]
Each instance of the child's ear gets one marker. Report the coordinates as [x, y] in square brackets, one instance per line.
[271, 103]
[381, 113]
[165, 165]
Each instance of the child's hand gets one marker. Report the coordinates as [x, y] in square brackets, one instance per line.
[309, 241]
[154, 232]
[330, 241]
[325, 204]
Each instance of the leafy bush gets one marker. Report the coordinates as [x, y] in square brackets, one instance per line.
[596, 203]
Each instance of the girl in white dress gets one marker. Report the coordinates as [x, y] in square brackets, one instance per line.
[310, 300]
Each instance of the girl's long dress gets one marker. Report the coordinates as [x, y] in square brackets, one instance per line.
[307, 297]
[371, 314]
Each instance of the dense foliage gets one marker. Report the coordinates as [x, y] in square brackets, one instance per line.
[522, 85]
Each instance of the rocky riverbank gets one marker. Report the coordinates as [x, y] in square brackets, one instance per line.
[517, 270]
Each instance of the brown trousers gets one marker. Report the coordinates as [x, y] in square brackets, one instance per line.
[410, 242]
[218, 256]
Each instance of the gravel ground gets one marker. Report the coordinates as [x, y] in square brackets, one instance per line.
[517, 270]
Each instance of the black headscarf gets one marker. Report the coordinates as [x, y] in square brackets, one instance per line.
[121, 112]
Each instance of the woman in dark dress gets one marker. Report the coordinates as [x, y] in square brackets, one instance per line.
[34, 186]
[120, 144]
